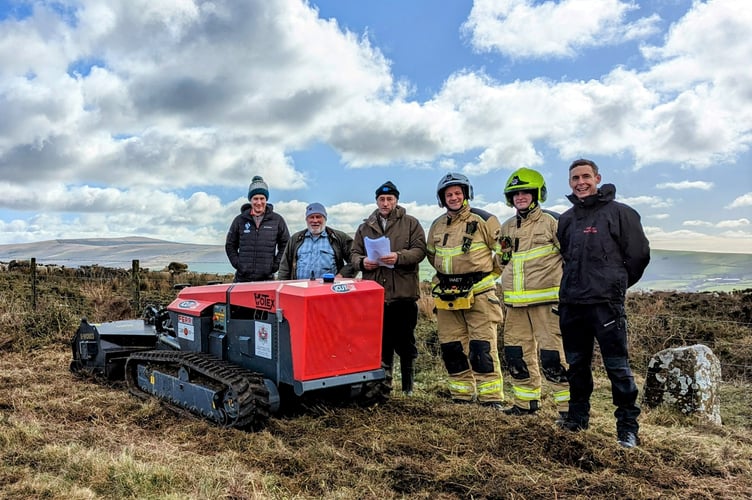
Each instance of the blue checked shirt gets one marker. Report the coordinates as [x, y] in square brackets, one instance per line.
[315, 257]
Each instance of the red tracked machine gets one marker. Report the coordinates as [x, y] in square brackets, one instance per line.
[233, 353]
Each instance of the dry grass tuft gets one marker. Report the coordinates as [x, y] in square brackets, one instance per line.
[67, 438]
[63, 437]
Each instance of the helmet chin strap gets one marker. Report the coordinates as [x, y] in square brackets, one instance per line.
[530, 208]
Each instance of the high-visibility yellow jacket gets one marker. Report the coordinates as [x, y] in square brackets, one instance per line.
[445, 251]
[533, 274]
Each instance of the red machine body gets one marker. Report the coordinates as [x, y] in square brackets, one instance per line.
[233, 353]
[331, 329]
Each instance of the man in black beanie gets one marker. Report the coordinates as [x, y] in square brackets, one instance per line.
[257, 237]
[398, 273]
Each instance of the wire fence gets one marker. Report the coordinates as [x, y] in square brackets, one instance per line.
[115, 293]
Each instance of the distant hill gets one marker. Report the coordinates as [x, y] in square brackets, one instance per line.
[668, 270]
[697, 271]
[119, 253]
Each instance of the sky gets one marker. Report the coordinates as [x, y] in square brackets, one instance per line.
[150, 117]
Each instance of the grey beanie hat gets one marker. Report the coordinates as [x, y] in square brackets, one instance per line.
[315, 208]
[258, 186]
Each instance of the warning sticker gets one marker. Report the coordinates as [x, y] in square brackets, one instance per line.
[185, 330]
[263, 340]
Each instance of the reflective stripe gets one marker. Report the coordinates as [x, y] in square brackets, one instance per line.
[447, 253]
[525, 296]
[486, 283]
[518, 294]
[524, 394]
[461, 387]
[561, 396]
[490, 387]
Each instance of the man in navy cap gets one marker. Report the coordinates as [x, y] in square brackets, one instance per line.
[316, 250]
[398, 273]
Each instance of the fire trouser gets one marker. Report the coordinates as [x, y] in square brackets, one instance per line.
[469, 348]
[533, 351]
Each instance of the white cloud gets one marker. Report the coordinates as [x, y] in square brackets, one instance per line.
[187, 100]
[744, 200]
[221, 94]
[523, 28]
[649, 201]
[705, 114]
[705, 186]
[743, 222]
[187, 97]
[733, 223]
[697, 223]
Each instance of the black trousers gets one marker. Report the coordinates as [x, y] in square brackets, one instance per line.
[400, 319]
[581, 325]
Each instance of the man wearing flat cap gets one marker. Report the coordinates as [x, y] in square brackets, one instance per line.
[316, 250]
[398, 273]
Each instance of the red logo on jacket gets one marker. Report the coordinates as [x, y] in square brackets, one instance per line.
[590, 230]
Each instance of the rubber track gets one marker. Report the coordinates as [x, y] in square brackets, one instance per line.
[252, 396]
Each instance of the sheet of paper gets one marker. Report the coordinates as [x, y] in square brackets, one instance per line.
[378, 248]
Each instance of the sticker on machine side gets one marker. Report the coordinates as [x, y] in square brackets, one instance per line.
[343, 287]
[263, 340]
[185, 327]
[188, 304]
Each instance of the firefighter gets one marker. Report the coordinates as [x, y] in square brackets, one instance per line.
[462, 245]
[530, 280]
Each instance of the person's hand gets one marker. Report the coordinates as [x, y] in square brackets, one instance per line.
[390, 259]
[370, 265]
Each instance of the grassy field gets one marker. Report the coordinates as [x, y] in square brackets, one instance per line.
[61, 437]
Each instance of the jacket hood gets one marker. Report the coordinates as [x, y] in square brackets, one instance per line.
[606, 193]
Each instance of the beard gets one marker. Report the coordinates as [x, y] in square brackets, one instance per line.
[317, 231]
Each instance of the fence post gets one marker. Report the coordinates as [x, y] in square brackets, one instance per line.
[136, 285]
[33, 273]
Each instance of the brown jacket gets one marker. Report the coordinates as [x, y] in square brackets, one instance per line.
[407, 239]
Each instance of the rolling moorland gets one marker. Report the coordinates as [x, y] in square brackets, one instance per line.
[63, 437]
[668, 270]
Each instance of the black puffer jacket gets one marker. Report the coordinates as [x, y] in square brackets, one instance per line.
[255, 252]
[604, 248]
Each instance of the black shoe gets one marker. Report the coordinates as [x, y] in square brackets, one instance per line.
[571, 425]
[462, 401]
[518, 411]
[563, 415]
[627, 439]
[494, 405]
